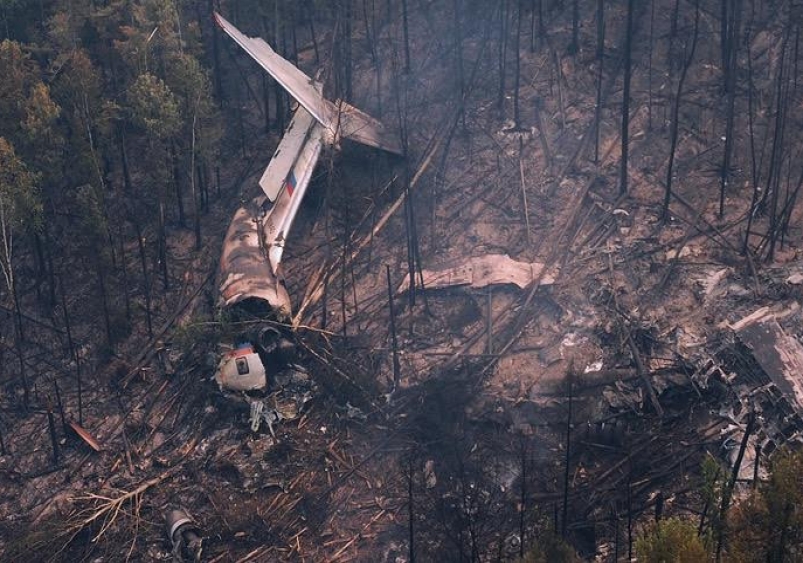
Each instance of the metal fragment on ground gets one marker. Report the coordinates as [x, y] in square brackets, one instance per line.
[482, 271]
[778, 354]
[184, 534]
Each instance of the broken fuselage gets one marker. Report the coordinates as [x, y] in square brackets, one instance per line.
[250, 272]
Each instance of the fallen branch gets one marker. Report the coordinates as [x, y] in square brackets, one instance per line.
[110, 508]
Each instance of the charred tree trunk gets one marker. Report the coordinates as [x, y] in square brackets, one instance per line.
[461, 80]
[673, 32]
[19, 338]
[146, 285]
[51, 271]
[574, 46]
[162, 244]
[345, 43]
[730, 485]
[753, 159]
[124, 272]
[777, 157]
[600, 65]
[310, 9]
[517, 79]
[649, 65]
[503, 37]
[104, 302]
[216, 56]
[567, 459]
[406, 31]
[177, 183]
[676, 114]
[73, 351]
[730, 88]
[266, 102]
[124, 158]
[623, 176]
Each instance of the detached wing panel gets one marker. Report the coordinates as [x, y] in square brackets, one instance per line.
[364, 129]
[341, 120]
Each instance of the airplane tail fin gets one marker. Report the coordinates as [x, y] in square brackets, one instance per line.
[341, 120]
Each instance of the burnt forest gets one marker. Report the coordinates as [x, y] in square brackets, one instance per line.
[540, 301]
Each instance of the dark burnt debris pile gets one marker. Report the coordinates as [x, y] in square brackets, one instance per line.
[491, 349]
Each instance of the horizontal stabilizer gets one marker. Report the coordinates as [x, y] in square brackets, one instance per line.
[341, 120]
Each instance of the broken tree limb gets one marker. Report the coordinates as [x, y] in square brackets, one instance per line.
[524, 192]
[729, 487]
[642, 373]
[149, 349]
[314, 292]
[640, 368]
[110, 508]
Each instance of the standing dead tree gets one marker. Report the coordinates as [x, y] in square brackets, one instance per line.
[673, 142]
[731, 50]
[631, 6]
[600, 64]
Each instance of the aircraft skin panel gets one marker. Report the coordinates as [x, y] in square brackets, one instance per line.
[366, 130]
[287, 153]
[346, 121]
[279, 219]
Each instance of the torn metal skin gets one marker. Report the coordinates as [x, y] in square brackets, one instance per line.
[245, 271]
[482, 271]
[241, 370]
[252, 251]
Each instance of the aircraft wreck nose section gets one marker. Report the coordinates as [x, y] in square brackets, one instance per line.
[245, 272]
[241, 370]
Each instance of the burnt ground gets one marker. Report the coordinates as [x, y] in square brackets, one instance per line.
[481, 410]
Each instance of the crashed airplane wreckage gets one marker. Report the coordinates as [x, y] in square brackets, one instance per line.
[250, 273]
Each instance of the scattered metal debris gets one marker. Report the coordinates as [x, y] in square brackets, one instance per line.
[294, 390]
[779, 355]
[482, 271]
[184, 535]
[430, 478]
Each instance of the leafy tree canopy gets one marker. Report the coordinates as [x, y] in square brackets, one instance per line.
[673, 540]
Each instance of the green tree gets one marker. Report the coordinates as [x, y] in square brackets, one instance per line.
[673, 540]
[19, 74]
[550, 548]
[20, 206]
[768, 526]
[155, 110]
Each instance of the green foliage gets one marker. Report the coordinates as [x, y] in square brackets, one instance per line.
[768, 526]
[673, 540]
[786, 484]
[550, 548]
[714, 476]
[18, 75]
[19, 197]
[154, 107]
[41, 113]
[92, 225]
[20, 205]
